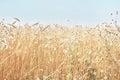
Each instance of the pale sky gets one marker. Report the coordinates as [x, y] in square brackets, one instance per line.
[59, 11]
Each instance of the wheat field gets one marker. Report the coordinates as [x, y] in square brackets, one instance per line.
[55, 52]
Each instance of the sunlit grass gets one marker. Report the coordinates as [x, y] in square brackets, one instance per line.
[54, 52]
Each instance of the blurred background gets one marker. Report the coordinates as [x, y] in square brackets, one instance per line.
[60, 11]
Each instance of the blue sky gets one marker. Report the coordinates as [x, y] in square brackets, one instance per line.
[59, 11]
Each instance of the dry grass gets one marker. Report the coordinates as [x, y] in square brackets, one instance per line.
[40, 52]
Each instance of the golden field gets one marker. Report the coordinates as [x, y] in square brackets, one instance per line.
[54, 52]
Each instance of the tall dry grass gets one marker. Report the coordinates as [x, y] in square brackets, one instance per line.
[54, 52]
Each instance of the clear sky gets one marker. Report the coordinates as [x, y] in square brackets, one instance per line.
[59, 11]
